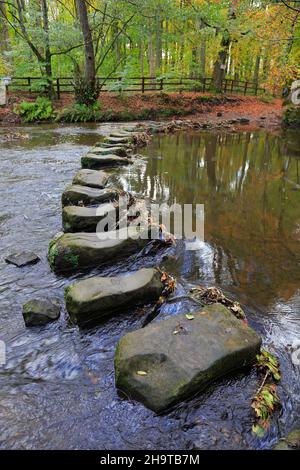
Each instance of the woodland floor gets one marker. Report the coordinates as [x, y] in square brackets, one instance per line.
[194, 106]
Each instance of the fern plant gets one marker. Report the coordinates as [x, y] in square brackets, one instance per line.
[80, 113]
[39, 110]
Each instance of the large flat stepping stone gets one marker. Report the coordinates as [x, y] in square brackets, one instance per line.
[171, 360]
[75, 195]
[91, 178]
[122, 134]
[22, 258]
[98, 161]
[85, 219]
[120, 151]
[75, 251]
[118, 140]
[106, 145]
[37, 312]
[94, 298]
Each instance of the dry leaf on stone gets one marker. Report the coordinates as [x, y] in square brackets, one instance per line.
[141, 373]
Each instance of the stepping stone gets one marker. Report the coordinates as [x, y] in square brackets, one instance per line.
[129, 129]
[106, 145]
[90, 178]
[74, 251]
[98, 161]
[290, 442]
[171, 360]
[23, 258]
[85, 219]
[120, 151]
[94, 298]
[121, 135]
[82, 195]
[118, 140]
[39, 312]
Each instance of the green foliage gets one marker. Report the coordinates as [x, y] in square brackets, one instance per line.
[266, 400]
[85, 95]
[267, 98]
[80, 113]
[266, 362]
[292, 116]
[39, 110]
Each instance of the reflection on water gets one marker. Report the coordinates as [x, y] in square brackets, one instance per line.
[249, 184]
[57, 387]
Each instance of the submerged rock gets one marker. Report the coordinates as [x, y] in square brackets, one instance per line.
[37, 312]
[85, 219]
[74, 251]
[22, 259]
[90, 178]
[171, 360]
[91, 160]
[119, 151]
[76, 194]
[94, 298]
[291, 442]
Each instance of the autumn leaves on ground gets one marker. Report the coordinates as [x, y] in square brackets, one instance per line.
[203, 108]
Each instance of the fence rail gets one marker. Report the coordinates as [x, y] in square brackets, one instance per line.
[139, 84]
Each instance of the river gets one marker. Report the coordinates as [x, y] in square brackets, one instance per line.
[57, 386]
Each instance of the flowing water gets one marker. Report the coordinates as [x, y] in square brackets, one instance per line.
[57, 386]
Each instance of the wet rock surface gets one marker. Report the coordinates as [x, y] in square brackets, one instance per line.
[176, 358]
[74, 251]
[24, 258]
[290, 442]
[119, 151]
[94, 298]
[90, 178]
[38, 312]
[95, 161]
[83, 195]
[85, 219]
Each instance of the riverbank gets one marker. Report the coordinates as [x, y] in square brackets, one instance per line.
[234, 112]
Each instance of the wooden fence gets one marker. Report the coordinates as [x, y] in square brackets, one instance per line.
[139, 84]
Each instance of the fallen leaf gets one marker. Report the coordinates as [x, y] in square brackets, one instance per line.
[141, 372]
[189, 316]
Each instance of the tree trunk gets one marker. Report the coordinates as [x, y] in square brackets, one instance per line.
[257, 67]
[151, 55]
[159, 45]
[4, 36]
[220, 66]
[203, 57]
[48, 66]
[90, 88]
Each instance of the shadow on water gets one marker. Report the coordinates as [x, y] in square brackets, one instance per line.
[57, 386]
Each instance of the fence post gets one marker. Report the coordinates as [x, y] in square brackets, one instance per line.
[256, 89]
[29, 82]
[245, 89]
[225, 87]
[143, 84]
[58, 88]
[161, 84]
[203, 84]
